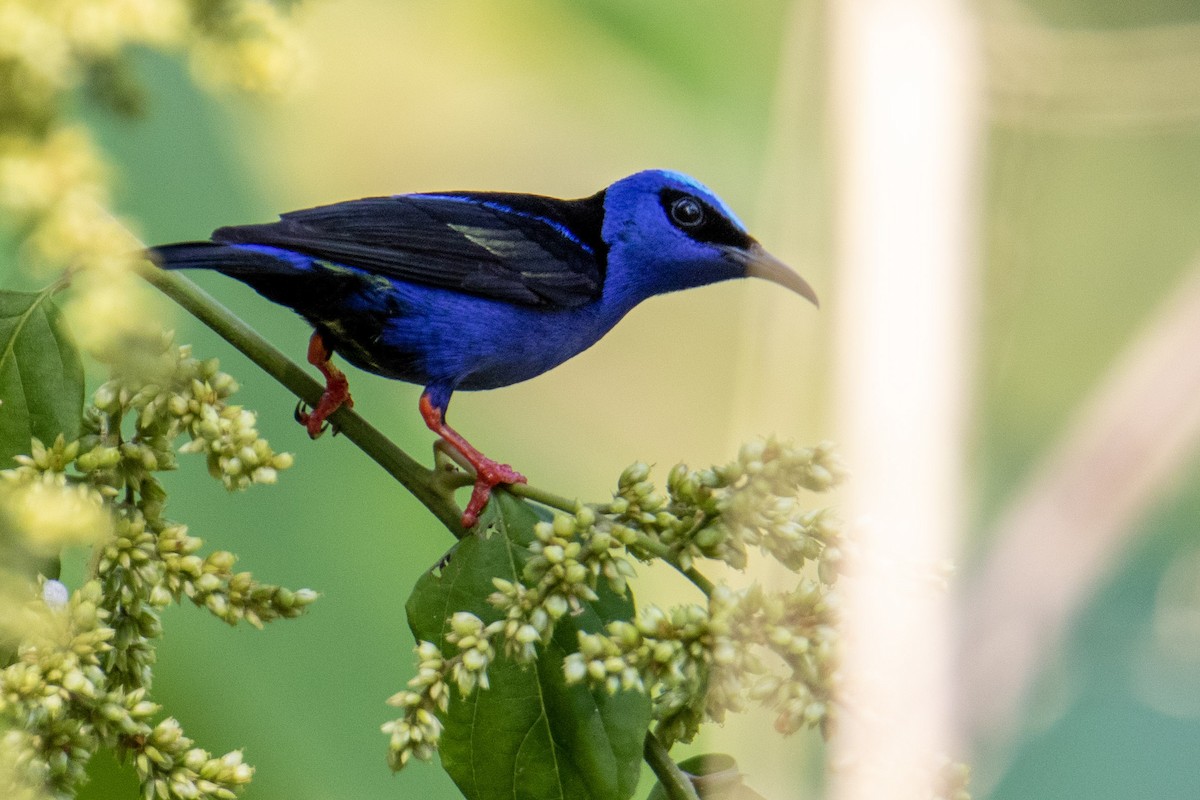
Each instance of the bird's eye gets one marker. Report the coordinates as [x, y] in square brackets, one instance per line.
[687, 212]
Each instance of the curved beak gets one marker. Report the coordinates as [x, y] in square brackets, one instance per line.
[761, 264]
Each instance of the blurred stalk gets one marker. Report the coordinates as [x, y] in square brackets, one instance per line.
[906, 99]
[1068, 525]
[675, 783]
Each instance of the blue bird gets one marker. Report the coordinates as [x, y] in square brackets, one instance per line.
[476, 290]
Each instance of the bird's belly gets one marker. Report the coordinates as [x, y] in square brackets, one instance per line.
[465, 342]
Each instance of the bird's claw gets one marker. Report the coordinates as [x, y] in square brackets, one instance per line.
[305, 418]
[488, 474]
[335, 396]
[495, 473]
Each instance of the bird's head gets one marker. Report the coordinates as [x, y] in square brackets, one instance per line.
[666, 232]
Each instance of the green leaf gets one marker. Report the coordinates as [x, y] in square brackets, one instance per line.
[530, 736]
[715, 776]
[41, 377]
[41, 394]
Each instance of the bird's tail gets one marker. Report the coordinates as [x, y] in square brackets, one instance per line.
[237, 261]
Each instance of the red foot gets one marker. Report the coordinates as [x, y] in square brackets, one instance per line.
[337, 389]
[488, 473]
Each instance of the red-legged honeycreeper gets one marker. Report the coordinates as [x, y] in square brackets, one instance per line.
[475, 290]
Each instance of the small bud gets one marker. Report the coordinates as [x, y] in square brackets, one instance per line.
[55, 594]
[633, 474]
[563, 526]
[556, 606]
[574, 668]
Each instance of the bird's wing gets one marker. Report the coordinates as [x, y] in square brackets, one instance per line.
[524, 249]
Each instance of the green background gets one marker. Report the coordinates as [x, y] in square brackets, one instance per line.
[1085, 233]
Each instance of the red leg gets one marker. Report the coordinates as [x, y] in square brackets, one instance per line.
[488, 473]
[337, 388]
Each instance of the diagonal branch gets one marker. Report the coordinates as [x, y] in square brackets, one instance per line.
[425, 484]
[401, 466]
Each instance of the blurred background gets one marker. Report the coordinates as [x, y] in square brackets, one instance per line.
[1087, 181]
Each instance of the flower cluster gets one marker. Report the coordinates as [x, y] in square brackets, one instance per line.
[54, 185]
[418, 731]
[76, 671]
[53, 680]
[57, 705]
[720, 512]
[797, 628]
[150, 563]
[168, 392]
[82, 669]
[475, 652]
[694, 662]
[662, 653]
[759, 506]
[569, 557]
[698, 663]
[49, 511]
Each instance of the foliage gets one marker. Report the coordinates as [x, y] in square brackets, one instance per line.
[545, 737]
[77, 667]
[537, 606]
[54, 185]
[561, 626]
[47, 402]
[79, 672]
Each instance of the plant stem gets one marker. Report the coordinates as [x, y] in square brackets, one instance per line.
[660, 550]
[422, 482]
[647, 543]
[673, 780]
[544, 497]
[410, 474]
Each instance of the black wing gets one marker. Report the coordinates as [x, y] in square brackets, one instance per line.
[525, 249]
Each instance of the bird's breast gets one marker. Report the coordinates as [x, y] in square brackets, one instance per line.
[468, 342]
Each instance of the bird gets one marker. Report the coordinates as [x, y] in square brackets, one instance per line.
[474, 290]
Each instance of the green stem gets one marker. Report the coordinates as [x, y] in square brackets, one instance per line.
[660, 550]
[422, 482]
[647, 543]
[410, 474]
[670, 776]
[544, 497]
